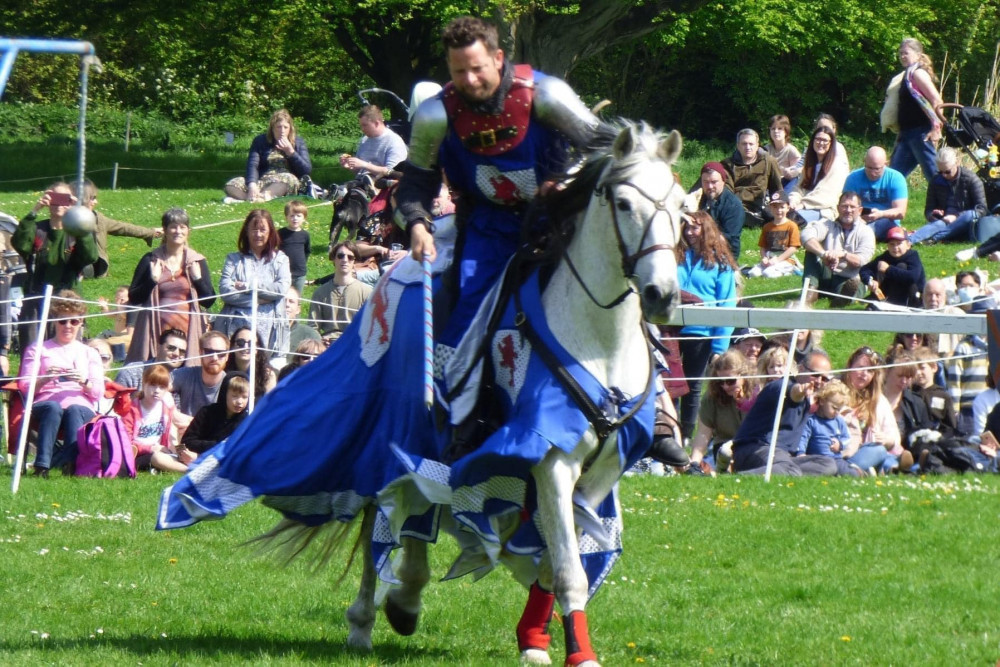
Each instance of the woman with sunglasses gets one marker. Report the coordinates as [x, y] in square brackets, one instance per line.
[70, 381]
[174, 286]
[723, 406]
[870, 420]
[706, 269]
[259, 261]
[239, 361]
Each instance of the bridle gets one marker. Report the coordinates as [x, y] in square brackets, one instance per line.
[606, 194]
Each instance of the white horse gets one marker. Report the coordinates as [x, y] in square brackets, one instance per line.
[617, 269]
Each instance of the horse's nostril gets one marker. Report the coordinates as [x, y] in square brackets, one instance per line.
[652, 294]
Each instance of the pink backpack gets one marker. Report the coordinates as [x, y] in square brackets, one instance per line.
[105, 450]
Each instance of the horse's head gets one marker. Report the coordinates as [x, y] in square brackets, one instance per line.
[643, 200]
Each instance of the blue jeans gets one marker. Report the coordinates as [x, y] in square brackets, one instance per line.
[986, 228]
[939, 230]
[809, 214]
[869, 455]
[695, 354]
[881, 227]
[911, 150]
[50, 418]
[788, 185]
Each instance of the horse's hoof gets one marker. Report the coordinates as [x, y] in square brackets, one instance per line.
[402, 621]
[535, 656]
[360, 640]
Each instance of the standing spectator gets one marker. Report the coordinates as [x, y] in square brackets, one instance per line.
[784, 151]
[707, 270]
[105, 226]
[295, 242]
[918, 125]
[752, 174]
[258, 259]
[722, 204]
[955, 201]
[822, 179]
[217, 421]
[898, 272]
[965, 372]
[779, 241]
[379, 150]
[335, 303]
[149, 423]
[836, 251]
[265, 377]
[277, 160]
[171, 352]
[51, 255]
[195, 387]
[173, 285]
[752, 442]
[70, 382]
[883, 191]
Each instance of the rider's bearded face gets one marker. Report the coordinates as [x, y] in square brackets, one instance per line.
[475, 71]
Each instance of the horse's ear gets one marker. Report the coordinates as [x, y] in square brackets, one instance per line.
[624, 143]
[670, 148]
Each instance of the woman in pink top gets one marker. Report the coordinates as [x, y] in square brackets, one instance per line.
[70, 381]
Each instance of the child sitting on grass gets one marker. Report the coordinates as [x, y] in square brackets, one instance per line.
[779, 241]
[148, 423]
[826, 434]
[216, 422]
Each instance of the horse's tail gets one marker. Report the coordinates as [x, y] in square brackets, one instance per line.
[290, 540]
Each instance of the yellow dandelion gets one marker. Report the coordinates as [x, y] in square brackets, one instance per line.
[640, 660]
[631, 644]
[56, 505]
[845, 638]
[155, 603]
[172, 561]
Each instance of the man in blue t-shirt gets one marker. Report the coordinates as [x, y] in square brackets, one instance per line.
[753, 439]
[883, 192]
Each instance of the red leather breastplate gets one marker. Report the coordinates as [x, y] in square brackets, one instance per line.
[488, 134]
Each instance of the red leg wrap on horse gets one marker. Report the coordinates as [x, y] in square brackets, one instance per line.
[533, 628]
[577, 638]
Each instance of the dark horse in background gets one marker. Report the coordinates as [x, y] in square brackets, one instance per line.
[356, 204]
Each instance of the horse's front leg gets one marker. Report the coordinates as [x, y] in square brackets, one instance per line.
[361, 614]
[402, 604]
[556, 478]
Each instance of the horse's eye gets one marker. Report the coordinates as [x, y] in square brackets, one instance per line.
[623, 205]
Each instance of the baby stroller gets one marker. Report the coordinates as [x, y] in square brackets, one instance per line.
[974, 130]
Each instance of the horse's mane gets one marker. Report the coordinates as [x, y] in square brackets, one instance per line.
[562, 205]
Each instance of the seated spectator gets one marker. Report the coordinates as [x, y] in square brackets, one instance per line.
[825, 120]
[379, 150]
[215, 422]
[277, 160]
[955, 201]
[171, 351]
[149, 423]
[258, 258]
[305, 352]
[908, 408]
[51, 255]
[965, 372]
[749, 342]
[104, 403]
[883, 192]
[969, 291]
[784, 152]
[822, 179]
[983, 404]
[722, 204]
[779, 241]
[298, 332]
[752, 441]
[752, 174]
[335, 303]
[195, 387]
[120, 335]
[874, 433]
[940, 406]
[70, 382]
[173, 285]
[723, 406]
[771, 364]
[825, 433]
[265, 377]
[897, 275]
[936, 300]
[105, 226]
[295, 241]
[908, 341]
[836, 251]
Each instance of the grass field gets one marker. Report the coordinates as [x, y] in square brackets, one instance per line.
[725, 571]
[716, 571]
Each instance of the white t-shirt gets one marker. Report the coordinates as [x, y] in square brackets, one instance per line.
[151, 427]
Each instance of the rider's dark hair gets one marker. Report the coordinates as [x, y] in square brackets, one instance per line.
[466, 31]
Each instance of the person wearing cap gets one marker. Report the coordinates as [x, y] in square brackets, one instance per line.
[836, 250]
[750, 342]
[752, 173]
[722, 204]
[897, 274]
[883, 192]
[779, 241]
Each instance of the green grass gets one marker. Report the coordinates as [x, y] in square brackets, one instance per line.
[715, 571]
